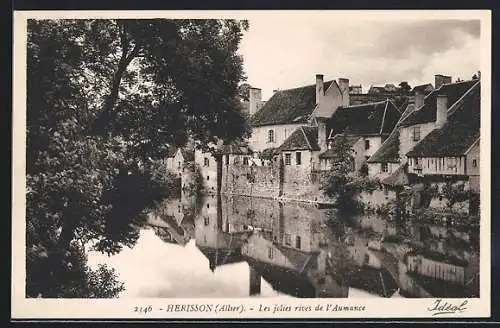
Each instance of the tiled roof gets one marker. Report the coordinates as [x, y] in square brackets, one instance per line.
[235, 148]
[458, 134]
[397, 178]
[427, 113]
[367, 119]
[422, 88]
[373, 280]
[188, 154]
[388, 151]
[378, 88]
[218, 257]
[288, 106]
[303, 138]
[335, 142]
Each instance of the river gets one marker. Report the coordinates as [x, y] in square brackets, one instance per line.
[234, 246]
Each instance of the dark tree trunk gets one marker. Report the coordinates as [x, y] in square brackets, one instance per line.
[103, 120]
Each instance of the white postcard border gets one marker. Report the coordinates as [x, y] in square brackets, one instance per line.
[23, 308]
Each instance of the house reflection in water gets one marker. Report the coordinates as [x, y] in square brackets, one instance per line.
[303, 251]
[214, 239]
[291, 253]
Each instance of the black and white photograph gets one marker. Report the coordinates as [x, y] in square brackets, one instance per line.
[292, 158]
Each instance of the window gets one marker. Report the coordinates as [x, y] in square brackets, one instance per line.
[208, 177]
[288, 239]
[385, 167]
[416, 133]
[270, 252]
[245, 160]
[474, 163]
[208, 205]
[206, 161]
[227, 159]
[297, 242]
[416, 160]
[206, 220]
[288, 159]
[270, 136]
[298, 159]
[179, 164]
[367, 144]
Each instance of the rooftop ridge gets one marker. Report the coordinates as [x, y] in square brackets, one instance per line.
[383, 117]
[302, 87]
[363, 105]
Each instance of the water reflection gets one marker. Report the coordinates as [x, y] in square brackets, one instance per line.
[243, 246]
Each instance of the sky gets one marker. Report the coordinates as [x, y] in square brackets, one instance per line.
[287, 52]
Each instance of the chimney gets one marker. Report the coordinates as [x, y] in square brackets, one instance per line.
[322, 134]
[344, 84]
[320, 92]
[441, 110]
[255, 100]
[419, 99]
[344, 88]
[439, 80]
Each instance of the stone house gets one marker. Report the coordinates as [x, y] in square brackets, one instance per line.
[376, 89]
[388, 88]
[355, 143]
[355, 89]
[423, 119]
[290, 255]
[390, 162]
[450, 152]
[289, 109]
[364, 127]
[208, 166]
[299, 160]
[174, 160]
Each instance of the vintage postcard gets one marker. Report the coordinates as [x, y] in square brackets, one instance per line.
[251, 164]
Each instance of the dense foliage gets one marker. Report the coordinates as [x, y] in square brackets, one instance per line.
[341, 182]
[105, 98]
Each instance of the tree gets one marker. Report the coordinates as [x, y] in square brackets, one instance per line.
[404, 87]
[104, 97]
[336, 182]
[244, 91]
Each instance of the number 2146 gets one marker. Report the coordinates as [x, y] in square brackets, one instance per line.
[143, 309]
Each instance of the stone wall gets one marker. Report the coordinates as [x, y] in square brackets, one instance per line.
[255, 181]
